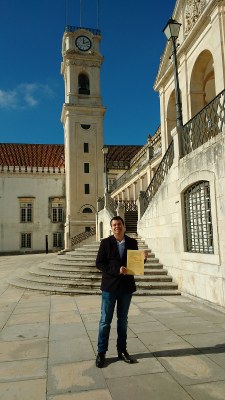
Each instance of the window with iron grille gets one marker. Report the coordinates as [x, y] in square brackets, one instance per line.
[26, 212]
[26, 240]
[57, 239]
[57, 212]
[198, 219]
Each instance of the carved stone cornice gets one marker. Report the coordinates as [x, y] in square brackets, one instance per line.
[86, 63]
[193, 10]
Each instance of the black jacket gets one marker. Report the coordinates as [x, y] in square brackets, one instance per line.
[109, 262]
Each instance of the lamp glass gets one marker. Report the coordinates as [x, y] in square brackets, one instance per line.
[172, 29]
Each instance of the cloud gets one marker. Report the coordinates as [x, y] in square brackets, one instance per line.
[24, 96]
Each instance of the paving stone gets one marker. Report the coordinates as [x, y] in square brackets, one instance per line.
[23, 349]
[67, 351]
[134, 345]
[158, 386]
[28, 318]
[192, 325]
[24, 390]
[190, 369]
[217, 355]
[207, 391]
[31, 310]
[63, 306]
[172, 349]
[151, 326]
[65, 317]
[146, 364]
[101, 394]
[25, 331]
[151, 338]
[75, 377]
[202, 340]
[23, 370]
[67, 331]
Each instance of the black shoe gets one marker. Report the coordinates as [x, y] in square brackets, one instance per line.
[123, 355]
[100, 360]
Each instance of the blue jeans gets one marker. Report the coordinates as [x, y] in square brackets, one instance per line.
[109, 300]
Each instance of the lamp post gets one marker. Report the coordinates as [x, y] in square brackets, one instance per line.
[171, 31]
[105, 151]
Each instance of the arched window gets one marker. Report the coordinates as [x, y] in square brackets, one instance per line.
[83, 84]
[198, 220]
[87, 210]
[202, 85]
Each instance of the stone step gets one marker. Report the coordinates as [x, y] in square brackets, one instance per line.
[90, 277]
[30, 279]
[89, 291]
[75, 273]
[154, 270]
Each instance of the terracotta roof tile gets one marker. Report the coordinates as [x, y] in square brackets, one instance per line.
[52, 155]
[32, 155]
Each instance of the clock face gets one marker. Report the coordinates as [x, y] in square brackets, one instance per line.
[83, 43]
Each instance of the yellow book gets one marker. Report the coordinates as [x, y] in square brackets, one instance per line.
[135, 262]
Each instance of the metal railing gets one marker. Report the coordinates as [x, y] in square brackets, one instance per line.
[71, 28]
[82, 236]
[205, 125]
[142, 158]
[159, 176]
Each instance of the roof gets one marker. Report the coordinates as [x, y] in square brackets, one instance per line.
[32, 155]
[119, 156]
[52, 155]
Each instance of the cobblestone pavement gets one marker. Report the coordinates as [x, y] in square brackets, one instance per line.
[48, 346]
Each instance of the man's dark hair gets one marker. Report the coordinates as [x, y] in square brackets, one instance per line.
[117, 218]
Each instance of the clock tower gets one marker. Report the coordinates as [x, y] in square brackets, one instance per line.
[82, 118]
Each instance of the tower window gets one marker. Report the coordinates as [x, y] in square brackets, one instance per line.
[86, 168]
[87, 210]
[86, 188]
[83, 84]
[85, 126]
[86, 148]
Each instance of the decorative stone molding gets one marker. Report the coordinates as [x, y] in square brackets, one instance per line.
[194, 9]
[81, 63]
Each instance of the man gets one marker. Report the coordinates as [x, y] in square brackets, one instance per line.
[117, 287]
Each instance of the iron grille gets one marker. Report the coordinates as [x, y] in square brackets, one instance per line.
[205, 125]
[198, 221]
[159, 176]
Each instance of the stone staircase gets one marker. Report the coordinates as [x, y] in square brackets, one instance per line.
[75, 273]
[131, 218]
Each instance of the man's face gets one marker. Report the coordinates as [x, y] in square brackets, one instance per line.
[117, 227]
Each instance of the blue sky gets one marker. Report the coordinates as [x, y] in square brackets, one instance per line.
[32, 89]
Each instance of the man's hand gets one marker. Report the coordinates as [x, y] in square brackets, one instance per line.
[145, 252]
[123, 270]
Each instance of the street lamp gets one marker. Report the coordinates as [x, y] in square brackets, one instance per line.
[105, 151]
[171, 31]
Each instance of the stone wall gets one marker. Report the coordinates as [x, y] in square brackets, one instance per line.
[162, 225]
